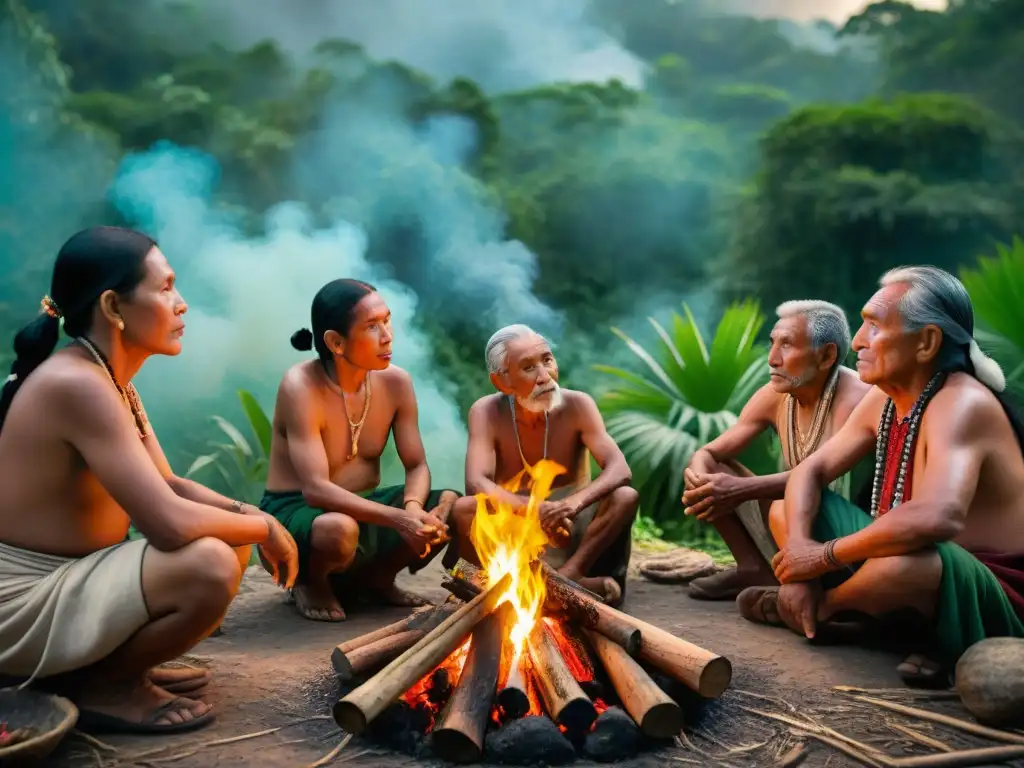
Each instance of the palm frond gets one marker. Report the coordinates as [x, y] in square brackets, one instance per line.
[685, 394]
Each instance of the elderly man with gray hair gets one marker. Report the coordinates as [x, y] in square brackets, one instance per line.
[809, 396]
[944, 537]
[530, 418]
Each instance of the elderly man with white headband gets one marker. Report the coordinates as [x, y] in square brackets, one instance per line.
[530, 418]
[944, 541]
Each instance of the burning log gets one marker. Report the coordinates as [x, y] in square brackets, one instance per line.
[362, 705]
[656, 714]
[354, 663]
[513, 699]
[575, 601]
[349, 658]
[564, 700]
[583, 606]
[705, 672]
[459, 735]
[462, 588]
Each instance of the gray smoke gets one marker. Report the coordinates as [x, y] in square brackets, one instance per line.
[502, 45]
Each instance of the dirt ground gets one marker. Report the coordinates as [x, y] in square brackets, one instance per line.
[272, 670]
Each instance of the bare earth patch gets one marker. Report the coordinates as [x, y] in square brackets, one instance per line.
[272, 671]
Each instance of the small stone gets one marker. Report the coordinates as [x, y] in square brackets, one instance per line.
[614, 736]
[529, 741]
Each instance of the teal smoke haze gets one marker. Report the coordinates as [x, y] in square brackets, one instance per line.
[247, 295]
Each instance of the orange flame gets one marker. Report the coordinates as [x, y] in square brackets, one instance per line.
[510, 541]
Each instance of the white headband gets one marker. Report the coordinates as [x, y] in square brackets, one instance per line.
[986, 370]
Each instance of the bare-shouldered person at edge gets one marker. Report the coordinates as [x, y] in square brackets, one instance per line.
[331, 424]
[809, 396]
[85, 611]
[532, 418]
[945, 539]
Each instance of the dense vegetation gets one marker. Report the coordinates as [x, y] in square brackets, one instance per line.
[758, 161]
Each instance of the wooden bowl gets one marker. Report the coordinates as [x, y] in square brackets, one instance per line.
[50, 716]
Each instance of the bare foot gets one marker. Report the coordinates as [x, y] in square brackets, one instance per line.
[727, 584]
[139, 708]
[604, 587]
[392, 594]
[317, 602]
[179, 678]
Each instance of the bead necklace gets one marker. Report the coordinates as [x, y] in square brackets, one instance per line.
[129, 394]
[882, 444]
[800, 447]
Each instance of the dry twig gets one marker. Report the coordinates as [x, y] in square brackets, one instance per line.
[920, 738]
[330, 756]
[953, 722]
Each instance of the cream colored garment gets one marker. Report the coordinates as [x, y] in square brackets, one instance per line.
[58, 614]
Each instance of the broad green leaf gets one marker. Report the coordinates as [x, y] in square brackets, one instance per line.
[684, 392]
[258, 420]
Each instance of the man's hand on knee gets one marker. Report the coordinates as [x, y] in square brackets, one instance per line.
[714, 495]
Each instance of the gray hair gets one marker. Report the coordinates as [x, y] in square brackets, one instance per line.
[496, 352]
[826, 323]
[936, 297]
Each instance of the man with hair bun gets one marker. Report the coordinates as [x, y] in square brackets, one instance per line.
[332, 421]
[809, 396]
[530, 418]
[944, 538]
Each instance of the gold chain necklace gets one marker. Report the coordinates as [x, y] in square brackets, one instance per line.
[800, 447]
[356, 427]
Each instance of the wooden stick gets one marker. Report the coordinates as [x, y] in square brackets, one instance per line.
[365, 657]
[459, 735]
[583, 606]
[961, 758]
[705, 672]
[953, 722]
[377, 634]
[362, 705]
[566, 702]
[424, 620]
[656, 714]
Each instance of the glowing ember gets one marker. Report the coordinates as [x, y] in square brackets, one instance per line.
[510, 541]
[424, 694]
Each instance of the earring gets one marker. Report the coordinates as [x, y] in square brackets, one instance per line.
[120, 325]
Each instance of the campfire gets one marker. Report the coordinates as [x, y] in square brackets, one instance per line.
[520, 663]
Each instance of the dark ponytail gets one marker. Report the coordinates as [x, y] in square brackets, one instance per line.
[334, 309]
[91, 262]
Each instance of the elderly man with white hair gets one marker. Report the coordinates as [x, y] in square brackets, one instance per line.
[809, 396]
[532, 418]
[944, 538]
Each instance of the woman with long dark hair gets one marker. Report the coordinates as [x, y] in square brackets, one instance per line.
[84, 609]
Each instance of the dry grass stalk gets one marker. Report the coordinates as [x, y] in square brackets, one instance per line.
[796, 755]
[921, 738]
[819, 730]
[953, 722]
[915, 693]
[859, 755]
